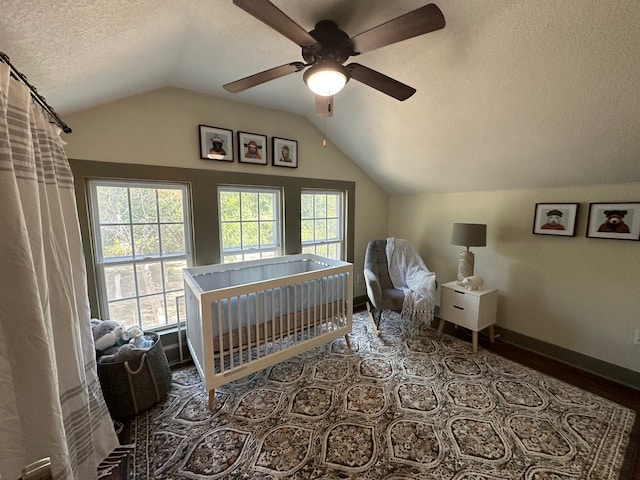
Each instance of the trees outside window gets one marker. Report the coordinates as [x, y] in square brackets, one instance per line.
[322, 223]
[250, 223]
[141, 244]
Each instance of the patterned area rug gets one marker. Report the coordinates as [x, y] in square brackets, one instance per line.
[405, 405]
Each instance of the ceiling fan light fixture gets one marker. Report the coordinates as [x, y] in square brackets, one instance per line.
[326, 79]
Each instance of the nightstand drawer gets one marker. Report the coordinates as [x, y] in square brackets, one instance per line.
[454, 298]
[459, 315]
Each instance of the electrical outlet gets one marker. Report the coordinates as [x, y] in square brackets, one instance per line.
[636, 340]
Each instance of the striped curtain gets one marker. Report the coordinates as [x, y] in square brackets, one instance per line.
[51, 404]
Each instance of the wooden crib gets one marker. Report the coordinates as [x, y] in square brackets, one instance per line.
[246, 316]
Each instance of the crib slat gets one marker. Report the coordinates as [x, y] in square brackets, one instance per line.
[229, 335]
[317, 303]
[317, 307]
[287, 333]
[323, 293]
[264, 324]
[248, 328]
[328, 321]
[284, 315]
[296, 312]
[324, 298]
[334, 299]
[339, 299]
[286, 319]
[307, 310]
[257, 325]
[284, 303]
[273, 323]
[220, 338]
[336, 318]
[310, 311]
[240, 327]
[345, 294]
[323, 305]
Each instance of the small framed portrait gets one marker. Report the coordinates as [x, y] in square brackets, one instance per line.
[285, 152]
[555, 219]
[252, 148]
[618, 221]
[216, 143]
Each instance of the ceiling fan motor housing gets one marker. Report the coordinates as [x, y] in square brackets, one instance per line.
[333, 44]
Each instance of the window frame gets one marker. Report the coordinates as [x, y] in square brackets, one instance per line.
[340, 208]
[272, 250]
[101, 264]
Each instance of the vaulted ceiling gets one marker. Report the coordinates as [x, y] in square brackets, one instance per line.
[510, 94]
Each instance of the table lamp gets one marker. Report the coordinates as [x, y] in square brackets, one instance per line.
[468, 235]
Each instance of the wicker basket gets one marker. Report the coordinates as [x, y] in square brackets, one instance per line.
[133, 386]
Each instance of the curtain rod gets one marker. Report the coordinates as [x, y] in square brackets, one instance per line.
[35, 95]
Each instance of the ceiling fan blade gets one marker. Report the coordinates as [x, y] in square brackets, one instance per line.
[417, 22]
[262, 77]
[324, 106]
[268, 13]
[380, 82]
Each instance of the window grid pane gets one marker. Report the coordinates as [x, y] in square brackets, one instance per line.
[249, 223]
[142, 239]
[321, 223]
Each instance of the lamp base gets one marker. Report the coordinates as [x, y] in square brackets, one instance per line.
[465, 265]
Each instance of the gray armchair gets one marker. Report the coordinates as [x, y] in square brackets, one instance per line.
[382, 295]
[380, 290]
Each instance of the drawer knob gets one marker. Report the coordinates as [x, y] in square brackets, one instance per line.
[459, 308]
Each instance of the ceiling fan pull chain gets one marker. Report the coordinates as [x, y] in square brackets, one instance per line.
[324, 132]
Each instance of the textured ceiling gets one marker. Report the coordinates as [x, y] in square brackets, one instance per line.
[510, 94]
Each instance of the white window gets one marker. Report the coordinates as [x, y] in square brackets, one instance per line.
[322, 223]
[141, 244]
[250, 226]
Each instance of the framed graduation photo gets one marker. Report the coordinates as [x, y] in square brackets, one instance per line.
[285, 152]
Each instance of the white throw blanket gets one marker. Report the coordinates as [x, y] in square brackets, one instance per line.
[409, 273]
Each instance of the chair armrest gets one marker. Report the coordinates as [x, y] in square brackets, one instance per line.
[374, 289]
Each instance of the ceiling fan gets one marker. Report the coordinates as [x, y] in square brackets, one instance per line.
[326, 48]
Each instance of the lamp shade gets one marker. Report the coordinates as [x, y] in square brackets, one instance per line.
[469, 234]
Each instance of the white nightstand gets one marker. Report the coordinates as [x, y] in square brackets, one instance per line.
[472, 309]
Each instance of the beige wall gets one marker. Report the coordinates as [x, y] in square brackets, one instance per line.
[579, 293]
[161, 128]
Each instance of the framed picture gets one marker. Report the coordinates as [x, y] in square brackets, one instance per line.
[555, 219]
[216, 143]
[619, 221]
[285, 152]
[252, 148]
